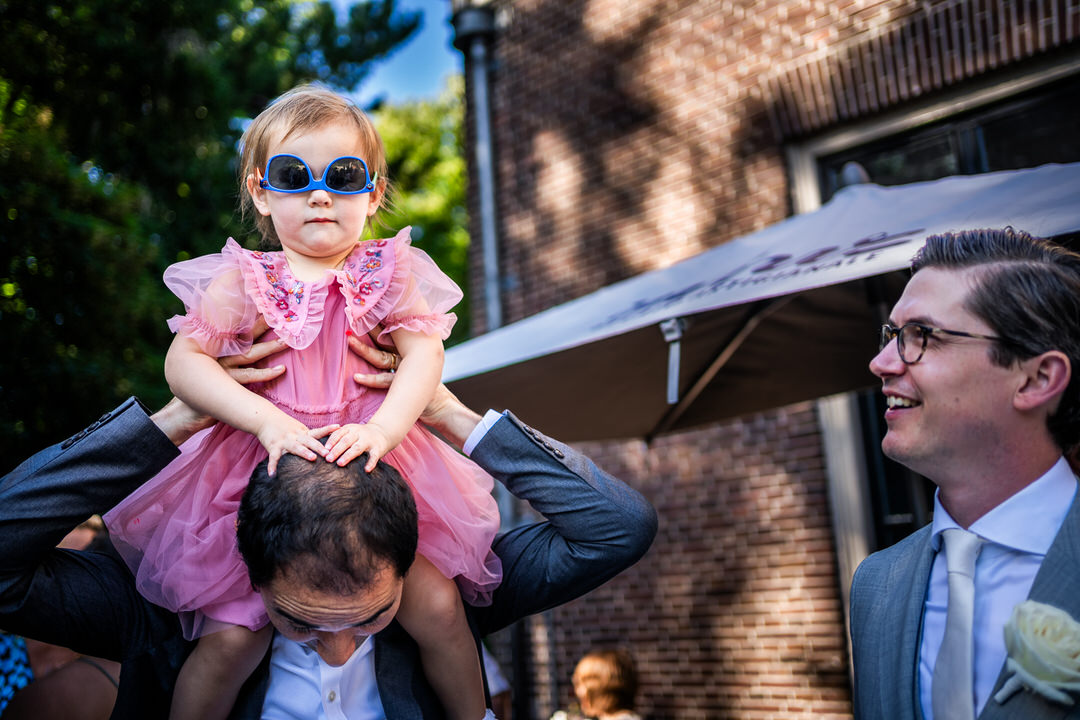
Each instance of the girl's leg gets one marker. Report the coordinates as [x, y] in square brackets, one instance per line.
[432, 613]
[214, 672]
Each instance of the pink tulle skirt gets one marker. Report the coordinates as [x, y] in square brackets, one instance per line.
[178, 532]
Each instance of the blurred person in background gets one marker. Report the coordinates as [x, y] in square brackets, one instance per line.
[606, 683]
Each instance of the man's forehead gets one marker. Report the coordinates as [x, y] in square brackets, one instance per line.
[316, 575]
[933, 292]
[306, 605]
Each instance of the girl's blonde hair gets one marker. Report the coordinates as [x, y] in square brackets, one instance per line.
[306, 107]
[605, 681]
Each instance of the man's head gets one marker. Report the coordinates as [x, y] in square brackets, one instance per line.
[328, 547]
[1012, 305]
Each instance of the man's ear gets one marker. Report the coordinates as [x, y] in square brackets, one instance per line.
[1045, 378]
[258, 195]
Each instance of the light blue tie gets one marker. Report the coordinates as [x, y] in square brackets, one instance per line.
[952, 693]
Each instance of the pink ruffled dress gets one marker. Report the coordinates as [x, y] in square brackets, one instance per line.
[177, 532]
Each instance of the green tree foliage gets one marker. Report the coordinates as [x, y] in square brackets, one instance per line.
[423, 148]
[75, 328]
[118, 128]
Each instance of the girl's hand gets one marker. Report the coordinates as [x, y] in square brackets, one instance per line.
[281, 434]
[351, 441]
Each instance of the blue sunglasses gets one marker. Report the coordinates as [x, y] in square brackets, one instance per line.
[344, 176]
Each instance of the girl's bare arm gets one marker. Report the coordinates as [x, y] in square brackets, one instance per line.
[201, 382]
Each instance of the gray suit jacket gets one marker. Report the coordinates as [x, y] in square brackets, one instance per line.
[597, 527]
[887, 596]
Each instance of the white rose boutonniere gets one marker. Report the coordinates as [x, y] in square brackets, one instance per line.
[1043, 645]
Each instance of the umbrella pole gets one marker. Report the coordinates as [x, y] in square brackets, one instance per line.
[673, 331]
[751, 320]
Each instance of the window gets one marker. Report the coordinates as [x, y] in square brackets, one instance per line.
[1026, 131]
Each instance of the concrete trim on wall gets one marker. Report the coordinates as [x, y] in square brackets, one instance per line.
[849, 495]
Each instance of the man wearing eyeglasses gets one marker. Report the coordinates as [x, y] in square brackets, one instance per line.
[977, 365]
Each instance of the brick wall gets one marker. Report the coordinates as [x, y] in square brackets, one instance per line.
[734, 612]
[630, 134]
[628, 137]
[921, 49]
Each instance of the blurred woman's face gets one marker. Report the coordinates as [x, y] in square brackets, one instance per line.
[579, 691]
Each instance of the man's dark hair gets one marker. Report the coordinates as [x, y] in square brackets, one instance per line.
[1028, 290]
[333, 527]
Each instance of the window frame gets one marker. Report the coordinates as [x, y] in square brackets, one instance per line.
[802, 157]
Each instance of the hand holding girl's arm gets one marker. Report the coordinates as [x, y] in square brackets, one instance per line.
[203, 384]
[444, 413]
[417, 378]
[179, 422]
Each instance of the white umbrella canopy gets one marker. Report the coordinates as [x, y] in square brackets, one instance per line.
[784, 314]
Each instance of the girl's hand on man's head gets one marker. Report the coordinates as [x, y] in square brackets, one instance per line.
[353, 440]
[281, 433]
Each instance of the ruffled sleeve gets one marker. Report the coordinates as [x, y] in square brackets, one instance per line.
[399, 286]
[219, 313]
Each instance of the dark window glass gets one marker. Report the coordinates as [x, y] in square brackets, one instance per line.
[927, 156]
[1043, 133]
[901, 501]
[1029, 130]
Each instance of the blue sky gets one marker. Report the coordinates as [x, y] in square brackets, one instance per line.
[419, 68]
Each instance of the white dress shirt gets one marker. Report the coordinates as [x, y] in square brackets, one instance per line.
[490, 418]
[303, 687]
[1018, 533]
[497, 682]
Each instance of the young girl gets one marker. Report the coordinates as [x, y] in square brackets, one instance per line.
[313, 169]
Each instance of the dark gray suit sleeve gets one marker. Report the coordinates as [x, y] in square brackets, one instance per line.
[596, 526]
[83, 600]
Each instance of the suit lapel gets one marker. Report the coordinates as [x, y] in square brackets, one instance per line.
[912, 578]
[1057, 583]
[901, 634]
[403, 687]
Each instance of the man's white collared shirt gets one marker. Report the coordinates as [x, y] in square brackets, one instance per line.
[303, 686]
[1004, 572]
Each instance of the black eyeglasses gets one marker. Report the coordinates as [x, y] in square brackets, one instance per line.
[344, 176]
[912, 337]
